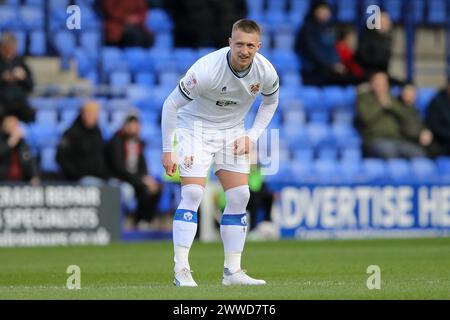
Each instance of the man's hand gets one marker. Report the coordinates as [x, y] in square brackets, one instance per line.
[169, 163]
[19, 73]
[15, 137]
[151, 183]
[243, 145]
[425, 138]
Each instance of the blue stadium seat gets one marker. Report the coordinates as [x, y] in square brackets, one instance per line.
[375, 169]
[284, 41]
[291, 79]
[169, 78]
[351, 171]
[44, 135]
[57, 17]
[303, 154]
[298, 11]
[255, 6]
[351, 154]
[47, 116]
[326, 171]
[334, 97]
[48, 160]
[68, 116]
[164, 40]
[443, 166]
[137, 93]
[146, 78]
[162, 59]
[91, 41]
[295, 136]
[37, 3]
[112, 60]
[318, 116]
[158, 21]
[343, 116]
[418, 10]
[137, 59]
[32, 18]
[424, 97]
[345, 135]
[38, 43]
[297, 171]
[119, 81]
[21, 37]
[399, 169]
[284, 60]
[184, 58]
[394, 8]
[65, 43]
[347, 11]
[40, 103]
[437, 12]
[294, 116]
[9, 18]
[318, 133]
[327, 153]
[311, 97]
[424, 169]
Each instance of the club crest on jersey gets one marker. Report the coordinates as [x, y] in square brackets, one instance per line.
[254, 88]
[188, 161]
[191, 82]
[244, 220]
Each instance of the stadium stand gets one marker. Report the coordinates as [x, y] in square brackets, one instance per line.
[316, 123]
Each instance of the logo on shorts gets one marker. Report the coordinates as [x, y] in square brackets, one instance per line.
[244, 220]
[224, 89]
[254, 88]
[188, 161]
[187, 216]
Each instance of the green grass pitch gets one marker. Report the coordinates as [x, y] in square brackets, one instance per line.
[410, 269]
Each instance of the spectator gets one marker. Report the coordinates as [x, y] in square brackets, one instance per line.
[438, 120]
[380, 118]
[413, 127]
[16, 161]
[80, 152]
[15, 81]
[124, 23]
[315, 44]
[126, 158]
[374, 46]
[345, 47]
[204, 23]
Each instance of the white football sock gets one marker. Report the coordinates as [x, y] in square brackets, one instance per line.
[233, 227]
[185, 224]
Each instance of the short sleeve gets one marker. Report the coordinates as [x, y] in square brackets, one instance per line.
[271, 82]
[195, 82]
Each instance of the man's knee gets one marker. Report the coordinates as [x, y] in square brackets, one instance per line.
[237, 198]
[191, 195]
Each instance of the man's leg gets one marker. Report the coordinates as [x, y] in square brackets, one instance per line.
[233, 227]
[411, 150]
[185, 225]
[383, 148]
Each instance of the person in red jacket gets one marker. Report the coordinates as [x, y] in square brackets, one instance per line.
[345, 47]
[124, 23]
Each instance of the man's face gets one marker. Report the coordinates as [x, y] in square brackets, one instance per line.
[8, 50]
[89, 116]
[323, 14]
[132, 129]
[409, 94]
[9, 124]
[379, 83]
[243, 48]
[386, 22]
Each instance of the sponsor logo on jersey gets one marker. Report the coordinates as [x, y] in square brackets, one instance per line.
[224, 103]
[254, 88]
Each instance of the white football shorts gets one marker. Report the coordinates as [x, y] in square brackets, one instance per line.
[196, 150]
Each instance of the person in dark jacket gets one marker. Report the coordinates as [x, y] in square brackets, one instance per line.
[204, 23]
[438, 120]
[127, 162]
[80, 153]
[380, 119]
[374, 46]
[16, 160]
[412, 126]
[124, 23]
[16, 81]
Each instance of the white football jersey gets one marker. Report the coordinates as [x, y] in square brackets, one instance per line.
[219, 97]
